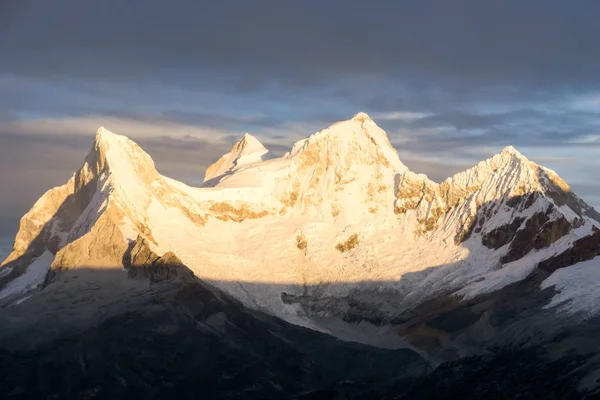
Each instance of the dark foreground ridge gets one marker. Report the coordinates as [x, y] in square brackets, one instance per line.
[156, 331]
[192, 341]
[184, 339]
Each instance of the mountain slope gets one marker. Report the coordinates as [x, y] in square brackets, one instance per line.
[339, 217]
[102, 333]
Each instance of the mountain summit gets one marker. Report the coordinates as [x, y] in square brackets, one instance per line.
[247, 151]
[337, 215]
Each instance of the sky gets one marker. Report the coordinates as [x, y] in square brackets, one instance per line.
[452, 82]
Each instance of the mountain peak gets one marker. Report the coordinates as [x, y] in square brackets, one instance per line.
[101, 130]
[249, 144]
[509, 156]
[103, 135]
[361, 117]
[248, 150]
[509, 162]
[512, 151]
[118, 154]
[356, 140]
[106, 139]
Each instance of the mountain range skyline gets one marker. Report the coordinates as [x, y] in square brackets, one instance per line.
[338, 235]
[332, 191]
[186, 85]
[9, 223]
[301, 200]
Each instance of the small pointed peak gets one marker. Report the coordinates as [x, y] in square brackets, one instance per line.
[361, 117]
[511, 150]
[100, 133]
[104, 135]
[248, 144]
[247, 151]
[509, 157]
[249, 140]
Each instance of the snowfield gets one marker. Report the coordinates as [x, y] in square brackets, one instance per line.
[32, 279]
[578, 288]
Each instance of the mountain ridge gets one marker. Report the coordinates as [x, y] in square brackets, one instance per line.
[339, 207]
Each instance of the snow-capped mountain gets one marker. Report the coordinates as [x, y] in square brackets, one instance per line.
[339, 214]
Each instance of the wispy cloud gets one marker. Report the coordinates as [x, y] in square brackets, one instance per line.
[127, 126]
[399, 115]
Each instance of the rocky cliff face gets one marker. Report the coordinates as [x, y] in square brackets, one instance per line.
[496, 198]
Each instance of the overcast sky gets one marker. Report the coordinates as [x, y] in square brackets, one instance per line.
[452, 82]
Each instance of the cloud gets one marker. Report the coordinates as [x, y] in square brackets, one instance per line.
[140, 128]
[250, 46]
[399, 116]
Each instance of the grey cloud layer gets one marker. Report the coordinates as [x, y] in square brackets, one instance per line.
[472, 43]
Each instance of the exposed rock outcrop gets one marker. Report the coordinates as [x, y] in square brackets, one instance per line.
[539, 231]
[141, 262]
[348, 244]
[502, 235]
[582, 249]
[506, 183]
